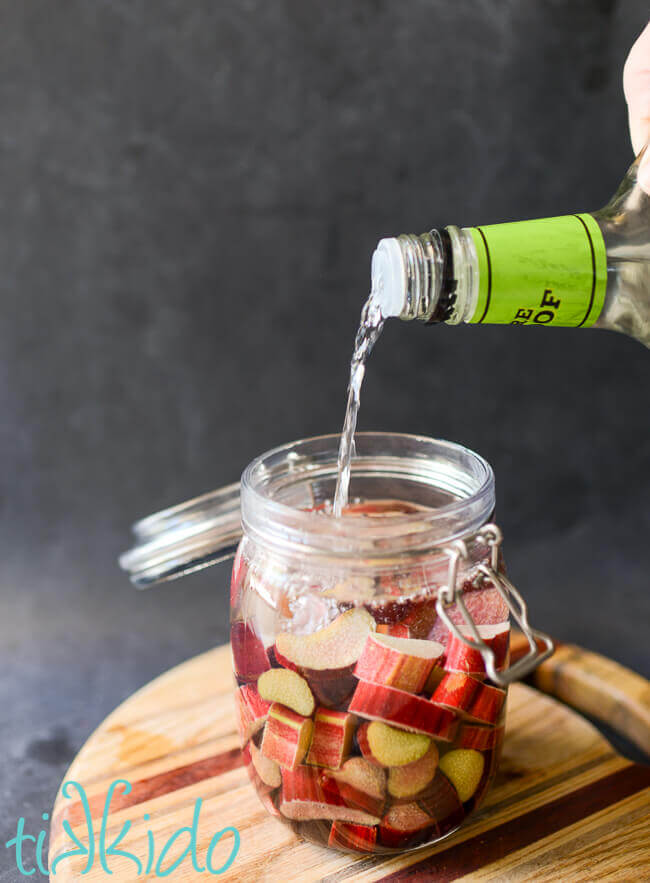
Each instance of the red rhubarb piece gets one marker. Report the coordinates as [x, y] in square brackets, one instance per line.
[336, 646]
[404, 710]
[280, 661]
[409, 780]
[360, 784]
[480, 737]
[331, 687]
[249, 656]
[403, 663]
[252, 711]
[406, 824]
[469, 697]
[304, 798]
[485, 606]
[364, 745]
[356, 838]
[332, 738]
[460, 657]
[286, 736]
[440, 801]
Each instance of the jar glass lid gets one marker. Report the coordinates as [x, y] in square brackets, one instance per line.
[184, 538]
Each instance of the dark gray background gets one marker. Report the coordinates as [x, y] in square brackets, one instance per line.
[190, 196]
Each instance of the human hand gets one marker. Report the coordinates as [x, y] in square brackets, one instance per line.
[636, 85]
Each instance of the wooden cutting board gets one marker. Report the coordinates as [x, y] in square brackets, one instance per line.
[565, 805]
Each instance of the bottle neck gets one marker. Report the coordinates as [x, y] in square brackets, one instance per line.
[431, 277]
[551, 271]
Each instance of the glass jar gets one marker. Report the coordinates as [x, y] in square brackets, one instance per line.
[366, 724]
[371, 651]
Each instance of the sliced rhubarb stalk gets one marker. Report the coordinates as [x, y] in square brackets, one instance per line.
[280, 661]
[268, 770]
[403, 663]
[361, 737]
[405, 824]
[393, 747]
[464, 768]
[286, 736]
[485, 606]
[338, 645]
[332, 738]
[409, 780]
[440, 800]
[252, 711]
[248, 654]
[331, 687]
[380, 703]
[303, 798]
[469, 697]
[480, 737]
[287, 687]
[437, 674]
[395, 629]
[460, 657]
[360, 784]
[356, 838]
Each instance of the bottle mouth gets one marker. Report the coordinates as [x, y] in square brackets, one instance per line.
[284, 492]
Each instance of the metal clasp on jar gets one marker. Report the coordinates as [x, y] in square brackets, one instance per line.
[451, 593]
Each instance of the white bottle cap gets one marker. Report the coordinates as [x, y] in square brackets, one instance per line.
[388, 273]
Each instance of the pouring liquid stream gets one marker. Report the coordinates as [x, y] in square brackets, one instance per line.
[370, 328]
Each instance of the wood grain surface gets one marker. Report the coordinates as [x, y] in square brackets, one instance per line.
[565, 806]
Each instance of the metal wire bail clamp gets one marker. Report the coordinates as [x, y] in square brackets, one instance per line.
[450, 594]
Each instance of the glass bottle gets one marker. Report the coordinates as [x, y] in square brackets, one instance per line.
[583, 270]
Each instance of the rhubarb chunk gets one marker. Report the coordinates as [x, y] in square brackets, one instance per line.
[287, 687]
[361, 737]
[403, 663]
[332, 738]
[440, 800]
[331, 687]
[394, 747]
[460, 657]
[268, 770]
[336, 646]
[360, 784]
[485, 606]
[464, 768]
[303, 798]
[401, 709]
[286, 736]
[252, 711]
[356, 838]
[480, 737]
[409, 780]
[471, 698]
[248, 654]
[405, 824]
[396, 629]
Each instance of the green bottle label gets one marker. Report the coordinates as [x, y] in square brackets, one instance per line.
[547, 272]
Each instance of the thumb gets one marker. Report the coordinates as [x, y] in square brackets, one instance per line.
[636, 85]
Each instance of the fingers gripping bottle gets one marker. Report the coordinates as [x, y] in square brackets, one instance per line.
[583, 270]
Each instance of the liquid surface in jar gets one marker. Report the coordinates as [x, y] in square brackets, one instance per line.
[368, 727]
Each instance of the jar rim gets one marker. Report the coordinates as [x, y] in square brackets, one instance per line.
[442, 465]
